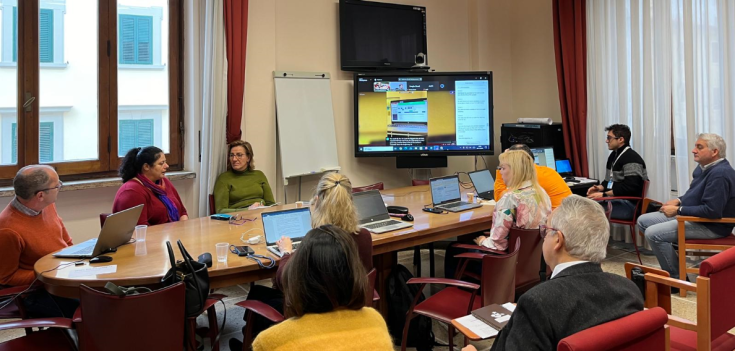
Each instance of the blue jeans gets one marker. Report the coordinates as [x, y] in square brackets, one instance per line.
[622, 209]
[661, 233]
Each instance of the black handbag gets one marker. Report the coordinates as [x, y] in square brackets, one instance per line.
[193, 274]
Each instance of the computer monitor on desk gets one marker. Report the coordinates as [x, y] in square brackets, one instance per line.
[544, 156]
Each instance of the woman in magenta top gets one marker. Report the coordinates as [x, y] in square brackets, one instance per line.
[144, 182]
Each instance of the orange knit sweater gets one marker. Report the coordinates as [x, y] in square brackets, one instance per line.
[25, 239]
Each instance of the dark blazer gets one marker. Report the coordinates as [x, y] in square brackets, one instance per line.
[580, 297]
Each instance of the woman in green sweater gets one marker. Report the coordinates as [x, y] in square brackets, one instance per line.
[241, 187]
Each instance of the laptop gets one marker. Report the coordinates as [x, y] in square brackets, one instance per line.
[294, 223]
[117, 230]
[564, 168]
[484, 184]
[373, 215]
[544, 156]
[445, 194]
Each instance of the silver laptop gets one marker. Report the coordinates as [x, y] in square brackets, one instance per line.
[117, 230]
[373, 215]
[294, 223]
[445, 194]
[484, 184]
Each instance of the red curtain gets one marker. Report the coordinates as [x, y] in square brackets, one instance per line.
[570, 46]
[236, 33]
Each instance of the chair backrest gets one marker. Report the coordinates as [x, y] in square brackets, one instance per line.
[529, 257]
[498, 275]
[644, 330]
[103, 218]
[416, 182]
[376, 186]
[149, 321]
[371, 287]
[639, 204]
[720, 269]
[212, 210]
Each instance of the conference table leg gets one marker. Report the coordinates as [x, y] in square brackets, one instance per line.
[383, 264]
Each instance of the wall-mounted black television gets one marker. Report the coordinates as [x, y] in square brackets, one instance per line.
[375, 35]
[423, 114]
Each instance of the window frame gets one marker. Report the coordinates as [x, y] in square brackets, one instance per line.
[28, 82]
[9, 35]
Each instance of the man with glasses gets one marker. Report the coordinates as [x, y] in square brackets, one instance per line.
[579, 294]
[30, 228]
[625, 173]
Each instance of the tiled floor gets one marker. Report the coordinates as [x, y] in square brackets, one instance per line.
[617, 255]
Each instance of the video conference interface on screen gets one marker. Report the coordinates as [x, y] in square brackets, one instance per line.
[444, 113]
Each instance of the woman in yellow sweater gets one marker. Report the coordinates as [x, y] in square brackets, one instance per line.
[326, 290]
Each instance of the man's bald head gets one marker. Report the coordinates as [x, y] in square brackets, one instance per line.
[30, 179]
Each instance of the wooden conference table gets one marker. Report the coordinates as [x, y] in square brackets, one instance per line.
[145, 263]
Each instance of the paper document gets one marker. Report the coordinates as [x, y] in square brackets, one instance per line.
[477, 326]
[90, 271]
[509, 306]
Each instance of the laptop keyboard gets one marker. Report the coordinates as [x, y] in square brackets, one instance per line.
[454, 204]
[293, 245]
[381, 224]
[83, 251]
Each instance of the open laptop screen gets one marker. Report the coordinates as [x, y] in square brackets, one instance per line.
[445, 189]
[544, 157]
[563, 167]
[483, 181]
[369, 205]
[291, 223]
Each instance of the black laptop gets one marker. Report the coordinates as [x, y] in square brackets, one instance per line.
[484, 184]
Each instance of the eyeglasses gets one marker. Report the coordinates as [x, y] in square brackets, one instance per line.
[546, 230]
[609, 137]
[237, 155]
[240, 220]
[47, 189]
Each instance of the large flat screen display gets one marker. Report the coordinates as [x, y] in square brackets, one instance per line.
[409, 114]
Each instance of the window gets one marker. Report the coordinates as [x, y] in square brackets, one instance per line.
[120, 89]
[136, 40]
[51, 131]
[50, 33]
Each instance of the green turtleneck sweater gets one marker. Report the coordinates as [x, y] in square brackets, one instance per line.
[235, 191]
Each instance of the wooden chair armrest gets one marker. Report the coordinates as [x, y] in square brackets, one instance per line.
[65, 323]
[646, 203]
[262, 309]
[682, 323]
[705, 220]
[471, 255]
[671, 282]
[646, 269]
[480, 248]
[451, 282]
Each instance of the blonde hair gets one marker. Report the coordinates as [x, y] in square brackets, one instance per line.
[248, 152]
[333, 203]
[523, 169]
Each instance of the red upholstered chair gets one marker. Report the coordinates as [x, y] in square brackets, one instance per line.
[528, 270]
[359, 189]
[645, 331]
[149, 321]
[212, 209]
[715, 308]
[213, 331]
[103, 218]
[631, 223]
[416, 182]
[53, 339]
[694, 246]
[16, 309]
[458, 298]
[253, 307]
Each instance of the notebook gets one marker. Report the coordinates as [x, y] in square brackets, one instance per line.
[117, 230]
[294, 223]
[494, 315]
[445, 194]
[373, 215]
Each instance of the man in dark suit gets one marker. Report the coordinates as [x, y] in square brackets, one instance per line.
[579, 294]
